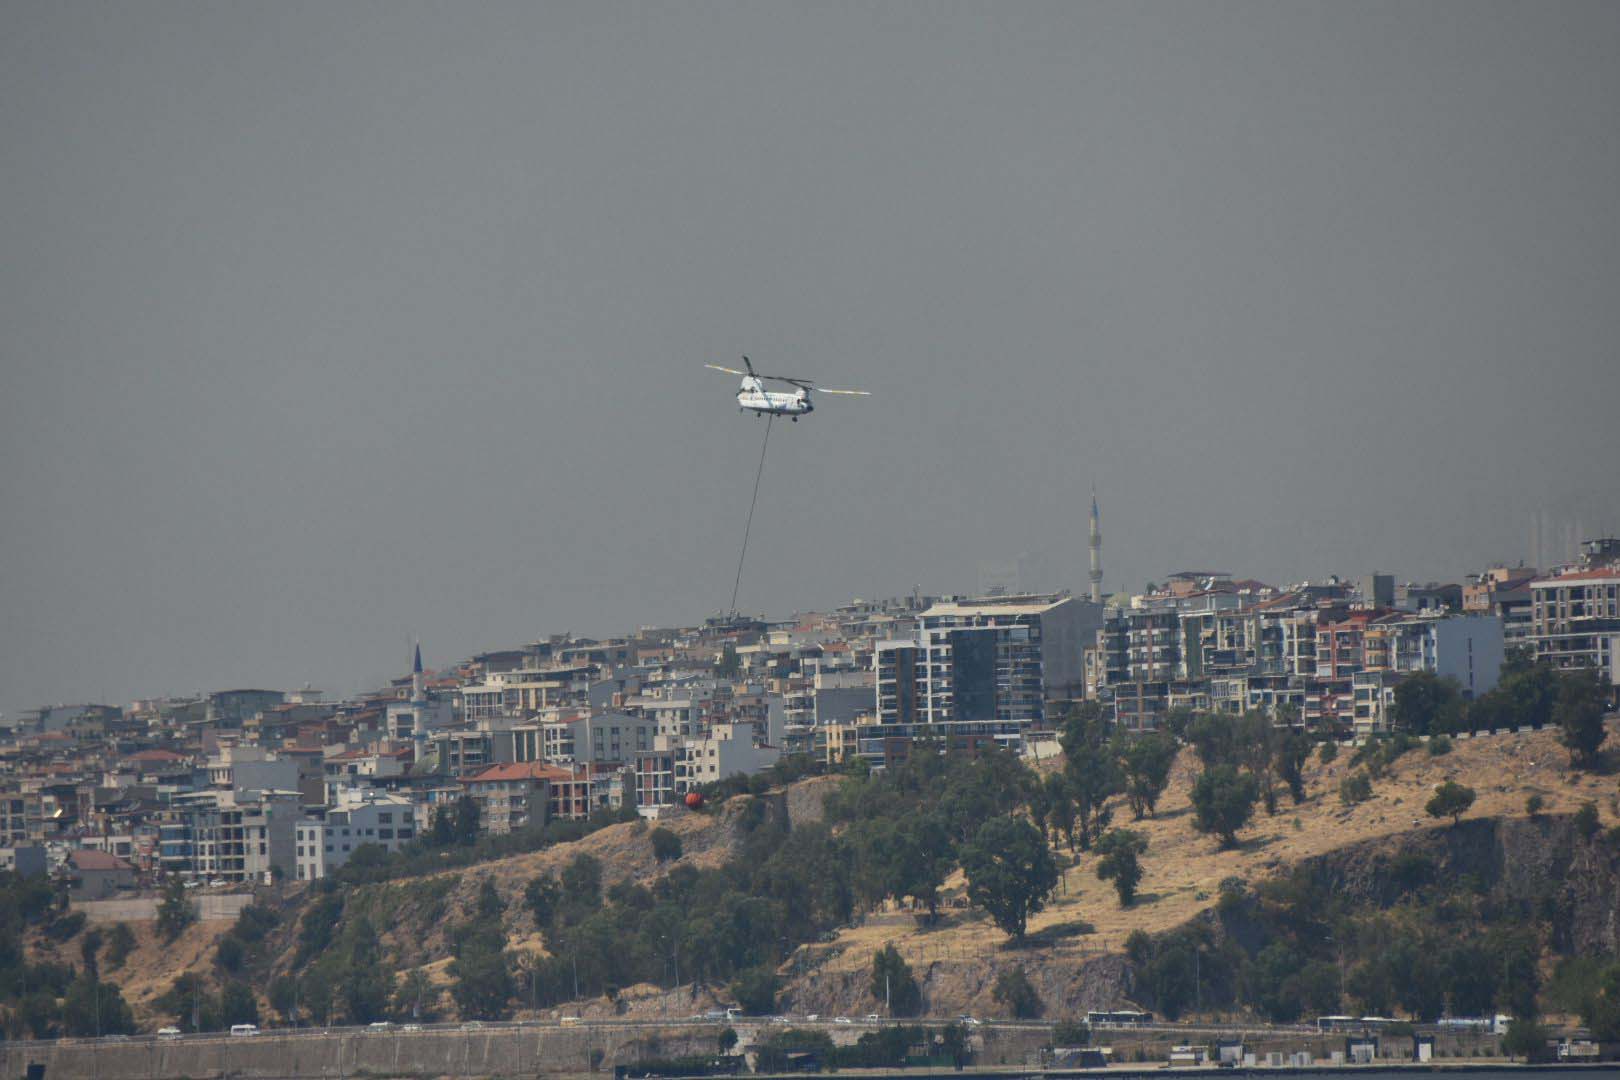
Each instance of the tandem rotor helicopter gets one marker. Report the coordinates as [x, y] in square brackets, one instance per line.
[753, 397]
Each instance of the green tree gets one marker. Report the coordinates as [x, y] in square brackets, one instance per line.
[416, 998]
[282, 994]
[1178, 720]
[192, 1006]
[1587, 822]
[237, 1004]
[894, 984]
[1146, 761]
[1060, 807]
[581, 889]
[1355, 788]
[92, 1007]
[729, 665]
[228, 952]
[1525, 1039]
[726, 1041]
[465, 821]
[1214, 738]
[364, 984]
[1017, 994]
[1120, 861]
[483, 982]
[1578, 712]
[1273, 983]
[1010, 872]
[1258, 741]
[176, 911]
[755, 990]
[1525, 693]
[442, 833]
[1428, 704]
[666, 846]
[489, 905]
[39, 1014]
[1450, 799]
[1223, 801]
[1090, 765]
[921, 857]
[1600, 1008]
[1293, 748]
[542, 896]
[89, 950]
[120, 943]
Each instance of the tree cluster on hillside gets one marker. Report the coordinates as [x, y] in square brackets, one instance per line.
[1430, 944]
[45, 999]
[1527, 693]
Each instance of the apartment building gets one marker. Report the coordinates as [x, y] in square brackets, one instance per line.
[218, 834]
[1575, 621]
[357, 817]
[1002, 658]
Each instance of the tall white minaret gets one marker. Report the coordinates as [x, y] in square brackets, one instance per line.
[418, 681]
[1096, 549]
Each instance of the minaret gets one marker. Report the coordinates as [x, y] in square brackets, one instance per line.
[1096, 549]
[418, 684]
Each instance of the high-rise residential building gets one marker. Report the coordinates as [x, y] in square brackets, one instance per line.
[1575, 616]
[1002, 658]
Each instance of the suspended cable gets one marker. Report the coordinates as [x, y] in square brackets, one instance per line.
[770, 419]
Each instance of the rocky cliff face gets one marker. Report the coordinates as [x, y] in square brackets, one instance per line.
[1572, 879]
[1543, 861]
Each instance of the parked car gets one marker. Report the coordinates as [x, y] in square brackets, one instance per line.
[168, 1033]
[410, 1027]
[873, 1018]
[842, 1020]
[380, 1025]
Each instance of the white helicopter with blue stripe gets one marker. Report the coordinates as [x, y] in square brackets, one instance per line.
[753, 397]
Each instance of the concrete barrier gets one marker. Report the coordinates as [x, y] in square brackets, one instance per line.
[517, 1050]
[210, 907]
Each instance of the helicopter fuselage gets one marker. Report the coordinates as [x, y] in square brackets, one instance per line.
[753, 397]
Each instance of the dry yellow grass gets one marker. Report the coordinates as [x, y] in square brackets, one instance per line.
[1184, 868]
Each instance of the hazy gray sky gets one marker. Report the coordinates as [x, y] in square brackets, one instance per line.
[323, 325]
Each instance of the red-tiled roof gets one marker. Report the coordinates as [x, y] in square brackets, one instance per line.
[91, 859]
[1609, 573]
[518, 770]
[154, 756]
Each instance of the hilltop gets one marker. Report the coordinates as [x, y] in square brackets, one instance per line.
[1076, 953]
[1184, 869]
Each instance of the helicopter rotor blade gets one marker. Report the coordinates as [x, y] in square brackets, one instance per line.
[727, 370]
[852, 393]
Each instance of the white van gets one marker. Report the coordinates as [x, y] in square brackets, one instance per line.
[244, 1029]
[168, 1033]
